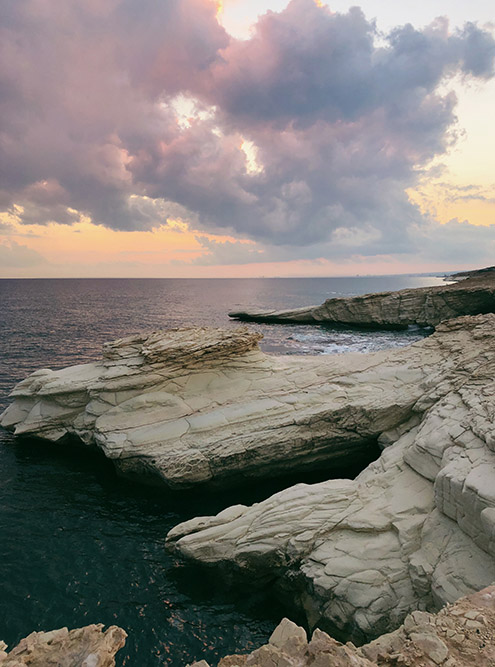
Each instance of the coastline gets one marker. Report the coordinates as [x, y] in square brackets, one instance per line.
[392, 437]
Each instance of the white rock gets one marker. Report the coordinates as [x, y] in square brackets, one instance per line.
[413, 531]
[196, 406]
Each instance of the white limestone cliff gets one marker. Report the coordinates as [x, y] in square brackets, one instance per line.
[413, 531]
[190, 406]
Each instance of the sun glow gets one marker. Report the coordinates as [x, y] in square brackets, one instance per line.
[88, 250]
[250, 150]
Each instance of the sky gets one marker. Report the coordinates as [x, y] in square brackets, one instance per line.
[246, 138]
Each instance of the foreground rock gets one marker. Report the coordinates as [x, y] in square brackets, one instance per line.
[423, 306]
[85, 647]
[414, 530]
[460, 635]
[199, 406]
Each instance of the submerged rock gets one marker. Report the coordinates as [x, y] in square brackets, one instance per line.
[85, 647]
[460, 635]
[414, 530]
[423, 306]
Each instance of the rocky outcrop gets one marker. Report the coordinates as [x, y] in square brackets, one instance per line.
[414, 530]
[423, 306]
[85, 647]
[487, 272]
[460, 635]
[198, 406]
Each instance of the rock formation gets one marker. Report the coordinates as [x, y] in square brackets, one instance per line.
[198, 406]
[414, 530]
[487, 272]
[460, 635]
[424, 306]
[85, 647]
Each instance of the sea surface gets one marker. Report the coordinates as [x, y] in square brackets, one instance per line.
[77, 544]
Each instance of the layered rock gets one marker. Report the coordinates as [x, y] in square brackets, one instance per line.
[462, 275]
[85, 647]
[198, 406]
[423, 306]
[460, 635]
[414, 530]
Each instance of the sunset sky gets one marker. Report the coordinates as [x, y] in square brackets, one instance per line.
[192, 138]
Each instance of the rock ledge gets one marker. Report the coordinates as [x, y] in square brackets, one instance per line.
[423, 306]
[415, 530]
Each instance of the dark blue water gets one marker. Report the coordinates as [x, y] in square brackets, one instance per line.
[79, 546]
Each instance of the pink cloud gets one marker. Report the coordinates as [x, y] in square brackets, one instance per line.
[341, 124]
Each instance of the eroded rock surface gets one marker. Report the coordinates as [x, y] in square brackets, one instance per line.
[90, 646]
[414, 530]
[460, 635]
[424, 306]
[197, 406]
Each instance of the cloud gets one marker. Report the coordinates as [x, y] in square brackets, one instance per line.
[6, 228]
[228, 252]
[307, 64]
[454, 193]
[338, 121]
[14, 255]
[458, 241]
[81, 88]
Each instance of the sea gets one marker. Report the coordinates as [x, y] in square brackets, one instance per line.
[79, 545]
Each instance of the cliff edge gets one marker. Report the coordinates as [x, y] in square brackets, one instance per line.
[472, 294]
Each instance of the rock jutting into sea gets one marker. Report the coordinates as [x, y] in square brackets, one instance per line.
[415, 529]
[196, 406]
[85, 647]
[474, 293]
[460, 635]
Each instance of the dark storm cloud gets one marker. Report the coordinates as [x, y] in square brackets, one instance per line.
[342, 120]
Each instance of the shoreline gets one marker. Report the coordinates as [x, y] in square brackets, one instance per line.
[388, 437]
